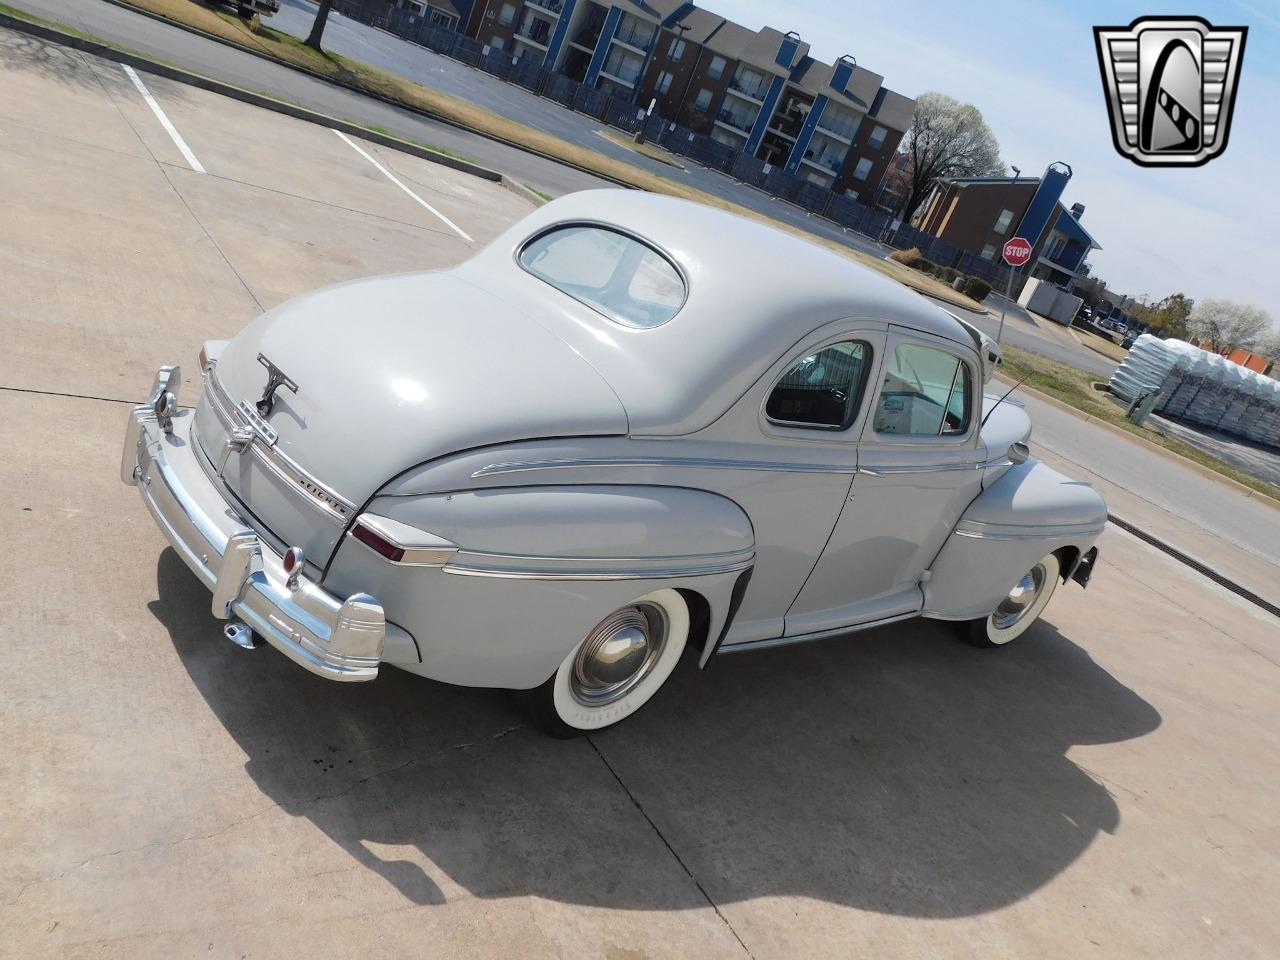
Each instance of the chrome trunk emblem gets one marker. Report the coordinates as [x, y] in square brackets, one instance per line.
[276, 378]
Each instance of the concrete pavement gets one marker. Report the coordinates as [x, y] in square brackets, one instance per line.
[1105, 788]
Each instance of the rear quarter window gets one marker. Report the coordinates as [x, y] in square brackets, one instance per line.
[625, 279]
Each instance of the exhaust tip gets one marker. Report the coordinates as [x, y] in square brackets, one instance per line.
[241, 635]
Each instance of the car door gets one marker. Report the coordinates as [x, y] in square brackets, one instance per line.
[917, 471]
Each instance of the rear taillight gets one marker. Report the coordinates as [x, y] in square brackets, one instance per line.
[378, 543]
[204, 360]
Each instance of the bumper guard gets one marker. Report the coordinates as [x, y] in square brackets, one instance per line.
[333, 638]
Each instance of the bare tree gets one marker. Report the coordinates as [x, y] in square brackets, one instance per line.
[1226, 324]
[317, 27]
[947, 139]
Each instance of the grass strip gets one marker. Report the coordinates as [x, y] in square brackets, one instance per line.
[1074, 387]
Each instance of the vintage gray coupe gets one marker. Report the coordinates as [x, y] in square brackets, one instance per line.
[629, 428]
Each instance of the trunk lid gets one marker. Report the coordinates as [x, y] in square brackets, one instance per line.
[391, 372]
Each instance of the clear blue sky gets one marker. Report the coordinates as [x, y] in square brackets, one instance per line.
[1032, 69]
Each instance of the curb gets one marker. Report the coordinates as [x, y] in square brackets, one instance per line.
[249, 97]
[372, 95]
[1201, 568]
[1206, 472]
[1089, 346]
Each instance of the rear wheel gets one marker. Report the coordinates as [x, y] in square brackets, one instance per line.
[616, 668]
[1020, 608]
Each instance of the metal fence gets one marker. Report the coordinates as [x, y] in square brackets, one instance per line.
[623, 114]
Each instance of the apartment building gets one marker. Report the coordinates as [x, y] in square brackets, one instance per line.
[757, 91]
[979, 214]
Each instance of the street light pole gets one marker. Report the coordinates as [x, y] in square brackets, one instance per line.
[1008, 287]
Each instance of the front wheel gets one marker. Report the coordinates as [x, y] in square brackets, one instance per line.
[617, 667]
[1020, 608]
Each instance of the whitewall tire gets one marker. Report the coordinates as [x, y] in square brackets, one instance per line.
[1021, 608]
[616, 668]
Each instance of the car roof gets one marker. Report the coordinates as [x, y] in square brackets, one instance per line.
[754, 292]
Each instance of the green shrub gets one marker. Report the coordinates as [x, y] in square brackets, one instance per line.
[976, 288]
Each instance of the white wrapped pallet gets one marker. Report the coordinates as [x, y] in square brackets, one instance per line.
[1192, 380]
[1210, 404]
[1238, 416]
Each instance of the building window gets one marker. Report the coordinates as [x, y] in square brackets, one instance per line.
[988, 252]
[716, 69]
[508, 14]
[862, 169]
[704, 100]
[676, 50]
[1003, 221]
[876, 140]
[664, 82]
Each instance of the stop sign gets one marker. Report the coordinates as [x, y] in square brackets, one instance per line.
[1017, 252]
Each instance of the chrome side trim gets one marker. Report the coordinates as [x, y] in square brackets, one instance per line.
[552, 573]
[770, 466]
[421, 549]
[978, 530]
[323, 498]
[1001, 461]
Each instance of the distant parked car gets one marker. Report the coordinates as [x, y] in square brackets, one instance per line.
[628, 427]
[1129, 339]
[247, 8]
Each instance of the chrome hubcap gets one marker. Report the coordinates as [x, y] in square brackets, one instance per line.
[1020, 599]
[618, 654]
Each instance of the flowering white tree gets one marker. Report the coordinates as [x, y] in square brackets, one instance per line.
[1226, 324]
[947, 139]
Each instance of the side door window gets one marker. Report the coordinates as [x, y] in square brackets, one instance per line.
[926, 393]
[822, 391]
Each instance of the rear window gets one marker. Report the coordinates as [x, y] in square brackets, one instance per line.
[626, 280]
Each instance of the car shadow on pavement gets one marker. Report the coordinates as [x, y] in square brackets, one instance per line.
[897, 770]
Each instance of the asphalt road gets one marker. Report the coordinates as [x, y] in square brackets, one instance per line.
[1106, 787]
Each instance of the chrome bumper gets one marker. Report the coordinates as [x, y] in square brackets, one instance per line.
[337, 639]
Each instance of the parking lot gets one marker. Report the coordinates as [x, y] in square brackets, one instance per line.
[1108, 787]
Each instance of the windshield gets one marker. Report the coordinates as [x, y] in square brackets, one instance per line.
[621, 277]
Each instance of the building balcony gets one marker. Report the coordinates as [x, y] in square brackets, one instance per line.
[782, 133]
[552, 7]
[840, 137]
[632, 39]
[737, 124]
[753, 94]
[1067, 268]
[618, 79]
[539, 42]
[825, 164]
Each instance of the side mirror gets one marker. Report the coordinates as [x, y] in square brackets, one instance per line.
[1019, 452]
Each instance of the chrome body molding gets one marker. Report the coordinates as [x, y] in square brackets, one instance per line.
[337, 638]
[934, 467]
[979, 530]
[247, 430]
[693, 463]
[467, 564]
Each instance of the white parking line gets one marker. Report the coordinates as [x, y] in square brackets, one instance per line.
[392, 177]
[164, 121]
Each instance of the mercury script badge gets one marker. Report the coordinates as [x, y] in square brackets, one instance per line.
[1171, 86]
[276, 378]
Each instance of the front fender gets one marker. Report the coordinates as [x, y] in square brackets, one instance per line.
[1027, 514]
[538, 567]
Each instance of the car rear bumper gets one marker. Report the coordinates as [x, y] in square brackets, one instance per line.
[341, 639]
